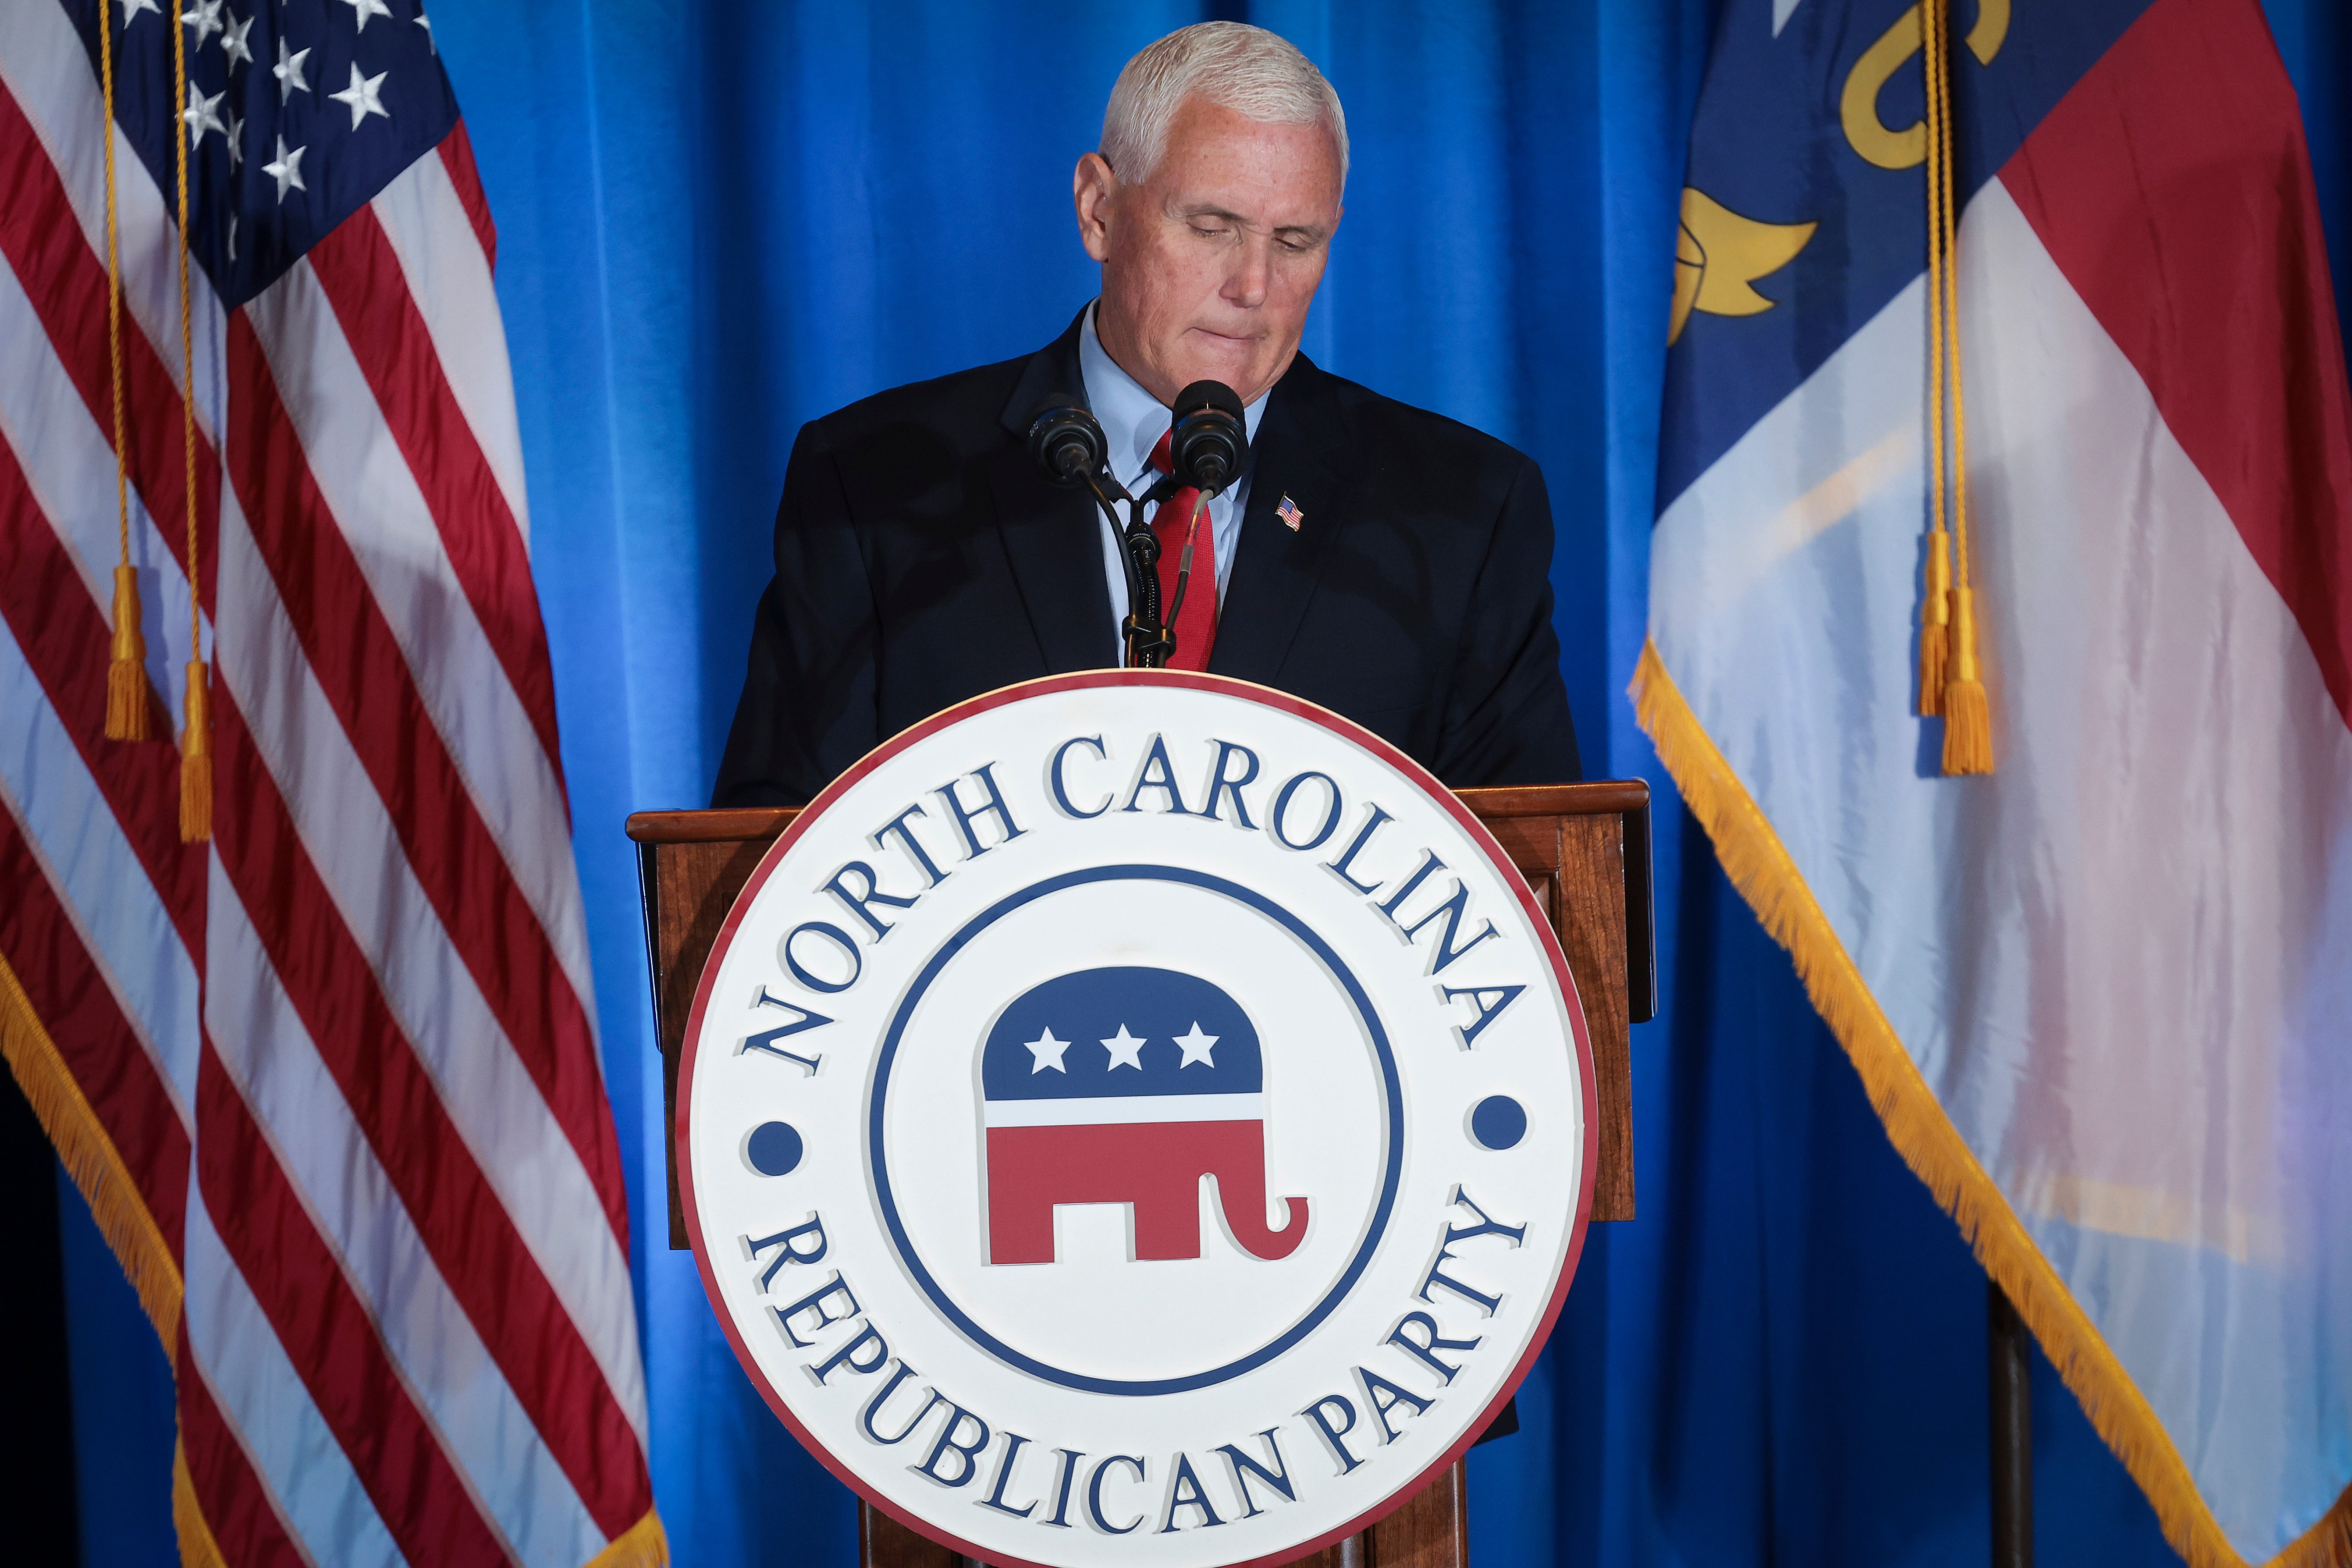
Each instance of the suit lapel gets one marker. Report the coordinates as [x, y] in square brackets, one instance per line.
[1053, 537]
[1276, 568]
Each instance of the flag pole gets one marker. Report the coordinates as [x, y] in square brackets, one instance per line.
[2009, 1364]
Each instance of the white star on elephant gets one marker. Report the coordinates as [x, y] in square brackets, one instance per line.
[1195, 1046]
[1125, 1050]
[1049, 1052]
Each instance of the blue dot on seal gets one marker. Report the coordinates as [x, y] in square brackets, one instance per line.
[775, 1148]
[1497, 1122]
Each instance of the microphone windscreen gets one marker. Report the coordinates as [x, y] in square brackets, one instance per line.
[1207, 394]
[1065, 439]
[1210, 440]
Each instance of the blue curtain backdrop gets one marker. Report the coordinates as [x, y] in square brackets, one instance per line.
[717, 221]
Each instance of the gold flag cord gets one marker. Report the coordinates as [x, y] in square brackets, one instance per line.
[1950, 678]
[126, 668]
[1935, 604]
[196, 738]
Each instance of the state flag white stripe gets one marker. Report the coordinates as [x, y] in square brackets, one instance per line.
[325, 1511]
[366, 483]
[97, 878]
[449, 277]
[483, 1085]
[458, 1388]
[69, 465]
[1123, 1110]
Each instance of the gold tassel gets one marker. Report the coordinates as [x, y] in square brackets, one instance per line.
[126, 672]
[196, 740]
[1934, 630]
[197, 762]
[1968, 715]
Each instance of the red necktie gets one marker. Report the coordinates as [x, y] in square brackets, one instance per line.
[1195, 621]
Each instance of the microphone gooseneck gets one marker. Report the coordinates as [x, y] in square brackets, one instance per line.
[1208, 442]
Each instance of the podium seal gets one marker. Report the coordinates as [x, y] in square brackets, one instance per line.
[1136, 1117]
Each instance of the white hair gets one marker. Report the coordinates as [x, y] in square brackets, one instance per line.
[1257, 74]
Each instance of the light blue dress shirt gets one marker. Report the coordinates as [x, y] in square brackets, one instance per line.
[1133, 422]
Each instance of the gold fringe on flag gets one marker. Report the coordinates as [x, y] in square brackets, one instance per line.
[195, 741]
[126, 668]
[643, 1545]
[198, 1549]
[1950, 678]
[1761, 866]
[89, 1157]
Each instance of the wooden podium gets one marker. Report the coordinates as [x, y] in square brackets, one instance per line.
[1583, 848]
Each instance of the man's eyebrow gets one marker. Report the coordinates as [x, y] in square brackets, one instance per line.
[1308, 231]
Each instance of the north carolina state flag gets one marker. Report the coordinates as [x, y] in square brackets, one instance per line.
[2102, 996]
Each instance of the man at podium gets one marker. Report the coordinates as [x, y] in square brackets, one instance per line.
[1379, 560]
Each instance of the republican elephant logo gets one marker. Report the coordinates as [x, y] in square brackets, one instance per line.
[1127, 1086]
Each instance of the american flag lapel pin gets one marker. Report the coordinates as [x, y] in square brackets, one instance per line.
[1291, 514]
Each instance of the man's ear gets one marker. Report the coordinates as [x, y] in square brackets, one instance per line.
[1092, 187]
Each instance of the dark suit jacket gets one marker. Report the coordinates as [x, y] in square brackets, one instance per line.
[922, 558]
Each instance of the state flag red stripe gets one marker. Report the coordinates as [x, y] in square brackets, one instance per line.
[85, 1023]
[330, 1337]
[361, 275]
[236, 1506]
[483, 1259]
[450, 849]
[2207, 267]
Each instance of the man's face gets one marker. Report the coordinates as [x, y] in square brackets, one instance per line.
[1210, 264]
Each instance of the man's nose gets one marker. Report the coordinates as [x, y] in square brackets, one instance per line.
[1245, 284]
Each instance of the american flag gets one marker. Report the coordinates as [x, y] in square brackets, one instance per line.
[330, 1080]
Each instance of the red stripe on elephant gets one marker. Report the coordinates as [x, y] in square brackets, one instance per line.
[1155, 1166]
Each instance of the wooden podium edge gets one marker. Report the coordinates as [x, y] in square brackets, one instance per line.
[1599, 798]
[1628, 799]
[688, 876]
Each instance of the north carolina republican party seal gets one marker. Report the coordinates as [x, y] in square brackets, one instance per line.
[1136, 1117]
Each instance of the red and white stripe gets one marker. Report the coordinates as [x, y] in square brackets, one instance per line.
[379, 1145]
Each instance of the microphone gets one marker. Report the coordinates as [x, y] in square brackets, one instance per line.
[1066, 440]
[1209, 444]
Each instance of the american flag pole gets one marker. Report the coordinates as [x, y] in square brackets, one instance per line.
[331, 1081]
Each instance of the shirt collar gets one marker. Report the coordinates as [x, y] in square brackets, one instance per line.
[1131, 418]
